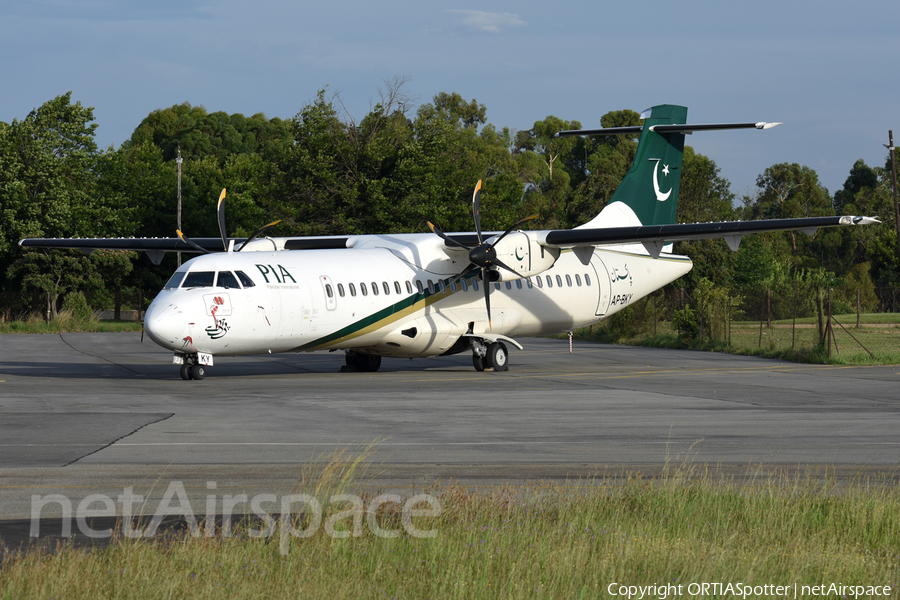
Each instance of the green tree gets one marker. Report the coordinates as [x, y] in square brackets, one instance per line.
[705, 196]
[51, 175]
[789, 190]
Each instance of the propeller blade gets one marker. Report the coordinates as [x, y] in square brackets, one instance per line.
[257, 232]
[516, 224]
[444, 236]
[486, 280]
[476, 209]
[463, 274]
[499, 263]
[191, 243]
[220, 213]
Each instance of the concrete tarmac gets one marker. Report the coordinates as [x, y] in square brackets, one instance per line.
[84, 414]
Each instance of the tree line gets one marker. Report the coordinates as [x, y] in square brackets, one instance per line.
[324, 172]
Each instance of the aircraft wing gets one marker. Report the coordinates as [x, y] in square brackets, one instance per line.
[157, 247]
[654, 237]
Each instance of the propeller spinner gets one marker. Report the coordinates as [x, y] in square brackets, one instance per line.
[484, 255]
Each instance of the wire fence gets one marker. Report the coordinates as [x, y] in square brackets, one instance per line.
[839, 324]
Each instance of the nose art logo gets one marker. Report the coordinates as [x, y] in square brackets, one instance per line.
[662, 197]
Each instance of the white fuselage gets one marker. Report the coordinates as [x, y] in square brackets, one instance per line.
[388, 295]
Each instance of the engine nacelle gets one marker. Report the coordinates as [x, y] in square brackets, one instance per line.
[521, 252]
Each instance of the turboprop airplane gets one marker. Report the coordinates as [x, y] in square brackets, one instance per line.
[428, 294]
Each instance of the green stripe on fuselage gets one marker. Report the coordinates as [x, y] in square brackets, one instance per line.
[383, 317]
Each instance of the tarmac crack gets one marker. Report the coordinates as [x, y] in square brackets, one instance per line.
[115, 364]
[120, 438]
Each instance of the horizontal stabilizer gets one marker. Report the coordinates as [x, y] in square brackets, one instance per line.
[636, 129]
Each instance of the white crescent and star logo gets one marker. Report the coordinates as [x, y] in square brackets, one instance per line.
[660, 196]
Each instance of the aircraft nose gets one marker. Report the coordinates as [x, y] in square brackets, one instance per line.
[165, 324]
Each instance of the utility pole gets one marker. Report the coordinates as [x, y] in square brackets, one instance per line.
[890, 148]
[178, 162]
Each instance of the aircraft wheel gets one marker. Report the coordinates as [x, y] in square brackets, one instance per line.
[368, 363]
[198, 372]
[185, 371]
[497, 357]
[478, 362]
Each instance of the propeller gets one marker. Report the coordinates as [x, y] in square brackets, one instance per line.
[220, 217]
[484, 255]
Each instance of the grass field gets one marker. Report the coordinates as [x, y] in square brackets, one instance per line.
[65, 323]
[876, 341]
[569, 540]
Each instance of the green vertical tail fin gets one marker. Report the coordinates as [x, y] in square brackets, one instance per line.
[648, 195]
[650, 188]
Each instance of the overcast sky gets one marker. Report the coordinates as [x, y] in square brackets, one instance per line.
[827, 69]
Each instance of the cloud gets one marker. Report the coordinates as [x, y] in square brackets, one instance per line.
[478, 20]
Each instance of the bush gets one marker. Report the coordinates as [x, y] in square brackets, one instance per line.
[76, 304]
[685, 323]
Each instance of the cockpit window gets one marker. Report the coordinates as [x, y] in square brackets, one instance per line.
[245, 280]
[174, 280]
[227, 280]
[199, 279]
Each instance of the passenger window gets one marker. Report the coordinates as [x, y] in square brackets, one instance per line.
[529, 283]
[549, 282]
[419, 286]
[568, 281]
[174, 280]
[227, 280]
[559, 281]
[540, 282]
[474, 284]
[341, 290]
[577, 279]
[397, 287]
[497, 286]
[363, 290]
[453, 287]
[245, 280]
[408, 287]
[199, 279]
[442, 285]
[352, 289]
[328, 291]
[386, 287]
[465, 286]
[508, 285]
[431, 286]
[519, 284]
[374, 289]
[587, 279]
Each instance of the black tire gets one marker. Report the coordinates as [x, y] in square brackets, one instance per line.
[185, 370]
[368, 363]
[198, 372]
[478, 362]
[497, 357]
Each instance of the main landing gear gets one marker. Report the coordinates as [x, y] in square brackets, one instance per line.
[362, 363]
[487, 354]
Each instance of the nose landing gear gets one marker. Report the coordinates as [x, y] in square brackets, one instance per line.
[193, 366]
